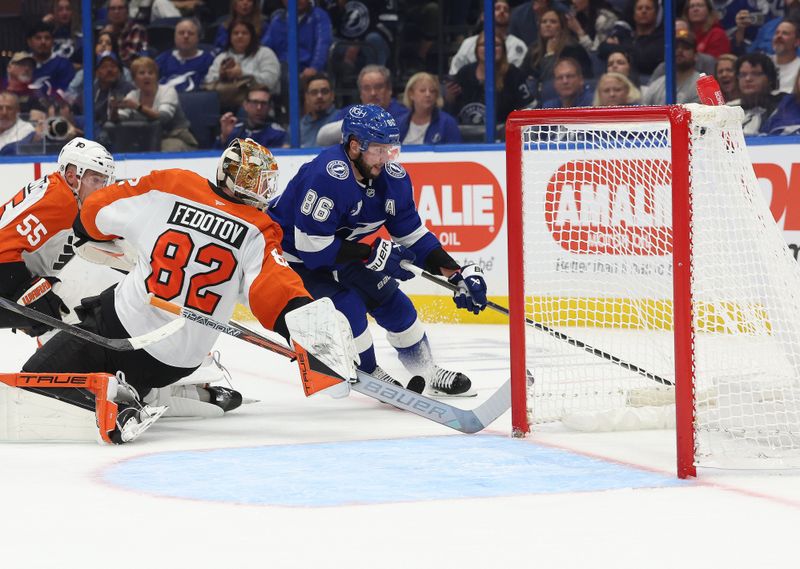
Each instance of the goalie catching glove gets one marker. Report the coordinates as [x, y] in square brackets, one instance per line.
[471, 293]
[386, 257]
[116, 254]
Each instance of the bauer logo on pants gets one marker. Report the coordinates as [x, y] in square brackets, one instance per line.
[613, 207]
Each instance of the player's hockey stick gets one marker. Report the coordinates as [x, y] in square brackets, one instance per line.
[463, 420]
[118, 344]
[546, 329]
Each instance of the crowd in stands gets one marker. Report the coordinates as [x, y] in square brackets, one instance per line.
[181, 75]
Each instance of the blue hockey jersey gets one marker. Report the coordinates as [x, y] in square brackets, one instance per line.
[324, 205]
[183, 74]
[52, 76]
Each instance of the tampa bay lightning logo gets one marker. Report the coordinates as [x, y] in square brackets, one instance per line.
[180, 79]
[355, 20]
[395, 170]
[338, 169]
[473, 113]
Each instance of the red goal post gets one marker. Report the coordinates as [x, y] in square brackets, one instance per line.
[603, 248]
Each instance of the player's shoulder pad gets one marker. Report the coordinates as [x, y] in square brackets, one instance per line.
[177, 174]
[338, 169]
[395, 170]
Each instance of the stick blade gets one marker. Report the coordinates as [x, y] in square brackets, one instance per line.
[157, 335]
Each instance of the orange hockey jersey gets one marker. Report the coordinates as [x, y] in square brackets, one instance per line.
[36, 226]
[197, 248]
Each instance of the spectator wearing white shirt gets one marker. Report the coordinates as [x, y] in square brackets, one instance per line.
[515, 47]
[153, 102]
[12, 128]
[785, 41]
[243, 64]
[147, 11]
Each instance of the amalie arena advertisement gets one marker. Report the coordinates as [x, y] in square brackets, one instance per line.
[461, 197]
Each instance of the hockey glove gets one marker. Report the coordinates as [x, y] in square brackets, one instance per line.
[386, 257]
[471, 293]
[47, 303]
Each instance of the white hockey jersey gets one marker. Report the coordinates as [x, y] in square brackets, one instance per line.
[196, 248]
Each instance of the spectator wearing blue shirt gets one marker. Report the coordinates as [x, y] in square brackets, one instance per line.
[67, 36]
[759, 97]
[186, 66]
[569, 85]
[375, 88]
[53, 73]
[786, 119]
[741, 20]
[426, 123]
[314, 37]
[319, 107]
[615, 90]
[256, 125]
[763, 39]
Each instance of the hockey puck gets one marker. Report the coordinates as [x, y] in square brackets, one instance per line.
[416, 384]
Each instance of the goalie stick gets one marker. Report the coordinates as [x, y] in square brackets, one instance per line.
[462, 420]
[546, 329]
[118, 344]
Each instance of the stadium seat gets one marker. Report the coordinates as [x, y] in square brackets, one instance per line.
[161, 34]
[134, 136]
[202, 110]
[45, 147]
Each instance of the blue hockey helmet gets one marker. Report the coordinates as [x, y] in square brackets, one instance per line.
[370, 123]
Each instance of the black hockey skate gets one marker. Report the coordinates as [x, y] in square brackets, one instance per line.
[225, 398]
[445, 383]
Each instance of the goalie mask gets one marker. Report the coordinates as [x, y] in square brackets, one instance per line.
[250, 171]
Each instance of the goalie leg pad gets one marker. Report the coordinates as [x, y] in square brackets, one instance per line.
[31, 416]
[32, 408]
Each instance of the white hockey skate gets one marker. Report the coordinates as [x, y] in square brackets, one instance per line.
[380, 373]
[132, 421]
[195, 396]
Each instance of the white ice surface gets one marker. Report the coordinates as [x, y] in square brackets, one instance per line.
[59, 511]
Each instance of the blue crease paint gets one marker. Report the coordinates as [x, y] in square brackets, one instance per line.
[376, 472]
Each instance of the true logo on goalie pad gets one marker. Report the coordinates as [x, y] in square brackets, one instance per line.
[55, 380]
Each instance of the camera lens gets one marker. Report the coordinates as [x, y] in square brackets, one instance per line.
[57, 128]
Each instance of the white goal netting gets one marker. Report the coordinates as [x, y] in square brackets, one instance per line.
[597, 266]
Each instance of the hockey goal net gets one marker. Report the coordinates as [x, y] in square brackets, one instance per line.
[647, 273]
